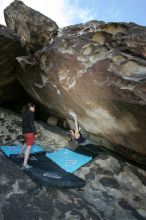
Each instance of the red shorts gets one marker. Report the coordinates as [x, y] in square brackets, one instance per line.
[29, 138]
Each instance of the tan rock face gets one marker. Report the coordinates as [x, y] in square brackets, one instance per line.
[35, 29]
[52, 121]
[10, 48]
[97, 70]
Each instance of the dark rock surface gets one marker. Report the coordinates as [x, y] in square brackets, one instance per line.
[115, 189]
[95, 201]
[10, 48]
[18, 203]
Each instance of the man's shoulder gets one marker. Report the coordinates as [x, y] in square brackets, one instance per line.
[27, 114]
[30, 112]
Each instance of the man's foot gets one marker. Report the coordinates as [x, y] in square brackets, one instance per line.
[25, 167]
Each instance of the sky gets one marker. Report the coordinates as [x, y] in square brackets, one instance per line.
[69, 12]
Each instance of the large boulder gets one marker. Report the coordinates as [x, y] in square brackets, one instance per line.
[97, 70]
[35, 29]
[10, 48]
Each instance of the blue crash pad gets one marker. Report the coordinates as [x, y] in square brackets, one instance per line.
[68, 160]
[8, 150]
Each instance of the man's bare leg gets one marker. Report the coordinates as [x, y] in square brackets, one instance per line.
[27, 152]
[22, 149]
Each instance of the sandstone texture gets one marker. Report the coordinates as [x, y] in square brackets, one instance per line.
[96, 69]
[35, 29]
[102, 81]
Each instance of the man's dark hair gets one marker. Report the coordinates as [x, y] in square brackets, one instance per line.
[27, 107]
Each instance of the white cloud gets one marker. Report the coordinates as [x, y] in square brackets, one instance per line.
[3, 5]
[63, 12]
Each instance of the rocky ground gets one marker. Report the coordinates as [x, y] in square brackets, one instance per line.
[115, 189]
